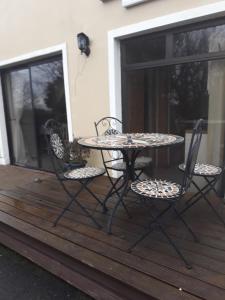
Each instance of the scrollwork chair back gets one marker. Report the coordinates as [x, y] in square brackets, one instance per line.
[55, 136]
[109, 126]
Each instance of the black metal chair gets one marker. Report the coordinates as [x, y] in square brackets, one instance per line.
[54, 134]
[211, 175]
[113, 160]
[169, 192]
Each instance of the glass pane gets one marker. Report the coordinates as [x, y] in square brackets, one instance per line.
[146, 109]
[197, 91]
[134, 101]
[200, 41]
[21, 118]
[188, 94]
[48, 100]
[144, 49]
[170, 99]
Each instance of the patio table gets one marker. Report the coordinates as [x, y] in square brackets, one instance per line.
[130, 145]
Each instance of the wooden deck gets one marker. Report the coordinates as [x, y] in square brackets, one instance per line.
[99, 264]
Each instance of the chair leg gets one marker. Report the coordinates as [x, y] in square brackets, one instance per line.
[210, 204]
[163, 212]
[94, 196]
[69, 204]
[188, 266]
[189, 205]
[119, 201]
[189, 200]
[74, 199]
[138, 175]
[110, 192]
[142, 237]
[186, 225]
[88, 214]
[149, 226]
[126, 209]
[215, 211]
[212, 183]
[145, 234]
[205, 189]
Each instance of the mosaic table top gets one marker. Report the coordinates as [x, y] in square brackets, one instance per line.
[131, 141]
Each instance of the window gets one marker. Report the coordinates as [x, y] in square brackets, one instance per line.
[172, 78]
[201, 41]
[144, 48]
[33, 93]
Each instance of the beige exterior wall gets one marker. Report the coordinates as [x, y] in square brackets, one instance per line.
[29, 25]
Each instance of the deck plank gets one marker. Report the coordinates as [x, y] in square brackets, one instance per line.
[58, 268]
[110, 267]
[147, 267]
[152, 268]
[191, 253]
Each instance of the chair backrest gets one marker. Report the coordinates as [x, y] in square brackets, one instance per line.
[108, 126]
[56, 135]
[192, 154]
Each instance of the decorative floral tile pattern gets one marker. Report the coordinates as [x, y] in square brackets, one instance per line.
[84, 173]
[135, 140]
[156, 188]
[204, 169]
[57, 145]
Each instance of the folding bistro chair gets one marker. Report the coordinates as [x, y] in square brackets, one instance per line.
[211, 175]
[85, 175]
[170, 193]
[113, 160]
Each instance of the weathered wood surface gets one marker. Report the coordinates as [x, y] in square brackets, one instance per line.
[98, 263]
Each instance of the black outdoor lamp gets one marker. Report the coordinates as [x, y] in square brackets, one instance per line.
[83, 43]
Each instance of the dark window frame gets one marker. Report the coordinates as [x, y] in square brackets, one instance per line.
[169, 58]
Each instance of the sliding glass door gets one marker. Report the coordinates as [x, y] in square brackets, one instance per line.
[169, 80]
[48, 97]
[21, 124]
[33, 94]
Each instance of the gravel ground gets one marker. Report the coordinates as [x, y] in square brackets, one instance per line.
[20, 279]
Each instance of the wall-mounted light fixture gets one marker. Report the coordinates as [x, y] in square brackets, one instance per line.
[83, 43]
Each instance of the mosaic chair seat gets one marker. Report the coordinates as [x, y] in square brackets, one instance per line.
[169, 193]
[157, 188]
[57, 151]
[204, 169]
[212, 175]
[84, 173]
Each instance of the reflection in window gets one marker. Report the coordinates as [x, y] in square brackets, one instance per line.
[171, 99]
[188, 94]
[171, 94]
[48, 99]
[20, 117]
[33, 94]
[206, 40]
[48, 90]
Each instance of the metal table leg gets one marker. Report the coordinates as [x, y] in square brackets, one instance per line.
[129, 175]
